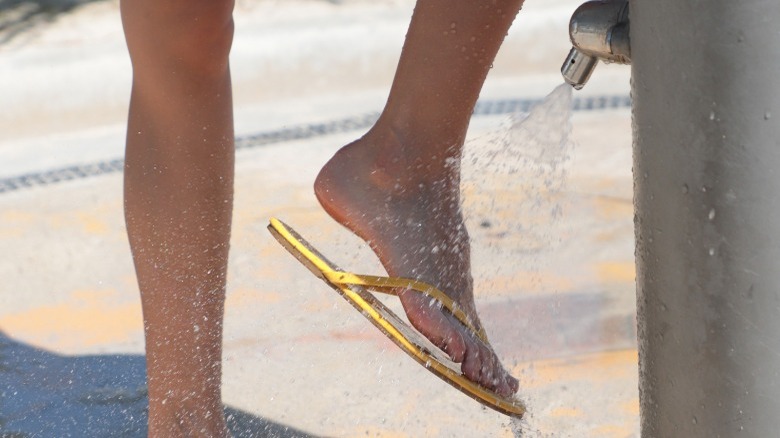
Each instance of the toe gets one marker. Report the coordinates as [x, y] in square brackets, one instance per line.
[514, 384]
[506, 385]
[504, 388]
[482, 366]
[472, 364]
[445, 336]
[455, 347]
[493, 375]
[434, 325]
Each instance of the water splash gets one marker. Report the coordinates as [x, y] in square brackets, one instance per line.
[513, 184]
[513, 180]
[521, 429]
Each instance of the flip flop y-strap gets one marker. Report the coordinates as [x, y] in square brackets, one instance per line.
[391, 285]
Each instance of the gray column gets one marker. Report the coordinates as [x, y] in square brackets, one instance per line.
[706, 89]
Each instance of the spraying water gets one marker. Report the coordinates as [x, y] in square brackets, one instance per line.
[513, 180]
[518, 171]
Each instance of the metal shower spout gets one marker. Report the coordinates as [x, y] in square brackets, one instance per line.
[598, 30]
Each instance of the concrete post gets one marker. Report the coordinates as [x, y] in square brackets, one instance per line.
[706, 89]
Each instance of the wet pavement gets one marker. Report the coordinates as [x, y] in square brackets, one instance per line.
[548, 201]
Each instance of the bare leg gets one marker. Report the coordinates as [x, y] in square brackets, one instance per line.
[398, 186]
[178, 202]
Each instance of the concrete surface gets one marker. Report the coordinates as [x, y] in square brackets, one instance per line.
[548, 202]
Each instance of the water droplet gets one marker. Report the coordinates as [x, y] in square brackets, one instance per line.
[711, 216]
[694, 420]
[685, 189]
[712, 115]
[767, 115]
[712, 251]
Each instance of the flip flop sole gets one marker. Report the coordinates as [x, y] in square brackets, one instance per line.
[396, 329]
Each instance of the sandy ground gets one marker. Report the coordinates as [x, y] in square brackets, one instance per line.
[548, 201]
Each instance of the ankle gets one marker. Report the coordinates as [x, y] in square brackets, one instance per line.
[400, 169]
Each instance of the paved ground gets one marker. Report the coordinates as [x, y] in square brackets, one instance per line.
[548, 197]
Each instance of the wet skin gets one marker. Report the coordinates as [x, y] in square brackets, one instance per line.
[398, 186]
[416, 229]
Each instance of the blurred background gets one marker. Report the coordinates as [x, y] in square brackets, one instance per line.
[547, 192]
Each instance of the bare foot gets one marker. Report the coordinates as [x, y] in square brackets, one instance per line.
[410, 216]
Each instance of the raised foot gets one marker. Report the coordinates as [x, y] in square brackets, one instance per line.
[412, 221]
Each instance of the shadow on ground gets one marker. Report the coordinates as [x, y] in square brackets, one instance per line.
[43, 394]
[19, 16]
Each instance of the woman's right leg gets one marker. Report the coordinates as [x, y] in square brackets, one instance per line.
[178, 202]
[398, 186]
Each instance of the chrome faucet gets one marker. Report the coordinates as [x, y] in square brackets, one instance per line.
[598, 30]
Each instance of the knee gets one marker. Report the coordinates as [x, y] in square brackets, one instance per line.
[196, 35]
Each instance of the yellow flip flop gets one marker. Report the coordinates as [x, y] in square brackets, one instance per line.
[356, 289]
